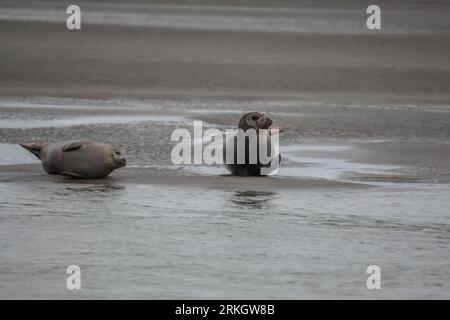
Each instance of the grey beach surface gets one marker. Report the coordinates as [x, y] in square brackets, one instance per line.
[365, 171]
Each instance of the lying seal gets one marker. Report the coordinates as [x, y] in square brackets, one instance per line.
[77, 159]
[250, 121]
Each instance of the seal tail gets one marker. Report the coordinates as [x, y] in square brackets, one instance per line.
[34, 147]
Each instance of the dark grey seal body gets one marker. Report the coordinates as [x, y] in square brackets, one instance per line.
[77, 159]
[249, 121]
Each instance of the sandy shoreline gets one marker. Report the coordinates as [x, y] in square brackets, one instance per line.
[34, 174]
[358, 142]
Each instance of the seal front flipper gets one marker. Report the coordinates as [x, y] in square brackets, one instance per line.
[34, 147]
[72, 175]
[72, 146]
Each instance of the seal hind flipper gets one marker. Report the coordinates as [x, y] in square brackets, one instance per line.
[72, 175]
[34, 147]
[72, 146]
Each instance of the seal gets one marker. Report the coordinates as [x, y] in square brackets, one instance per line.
[77, 159]
[250, 121]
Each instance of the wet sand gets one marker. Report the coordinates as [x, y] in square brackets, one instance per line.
[33, 173]
[405, 62]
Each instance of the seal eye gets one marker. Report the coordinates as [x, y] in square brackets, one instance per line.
[118, 153]
[254, 118]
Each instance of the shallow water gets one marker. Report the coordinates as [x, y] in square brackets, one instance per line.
[144, 240]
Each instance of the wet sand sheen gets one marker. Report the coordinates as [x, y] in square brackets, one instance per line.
[33, 173]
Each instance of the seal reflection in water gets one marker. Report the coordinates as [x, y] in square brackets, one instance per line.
[250, 121]
[77, 159]
[253, 199]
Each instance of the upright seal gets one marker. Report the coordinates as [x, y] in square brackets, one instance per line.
[250, 121]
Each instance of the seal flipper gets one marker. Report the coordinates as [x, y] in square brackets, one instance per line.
[72, 175]
[34, 147]
[72, 146]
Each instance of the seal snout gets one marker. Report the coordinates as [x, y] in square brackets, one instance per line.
[268, 122]
[119, 158]
[121, 162]
[264, 122]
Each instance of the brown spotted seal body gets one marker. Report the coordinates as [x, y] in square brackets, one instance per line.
[77, 159]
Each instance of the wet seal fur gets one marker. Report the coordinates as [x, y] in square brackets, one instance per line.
[77, 159]
[256, 121]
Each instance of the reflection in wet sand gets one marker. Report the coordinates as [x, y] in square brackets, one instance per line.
[253, 199]
[96, 188]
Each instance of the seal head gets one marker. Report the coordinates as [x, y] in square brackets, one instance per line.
[254, 120]
[115, 159]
